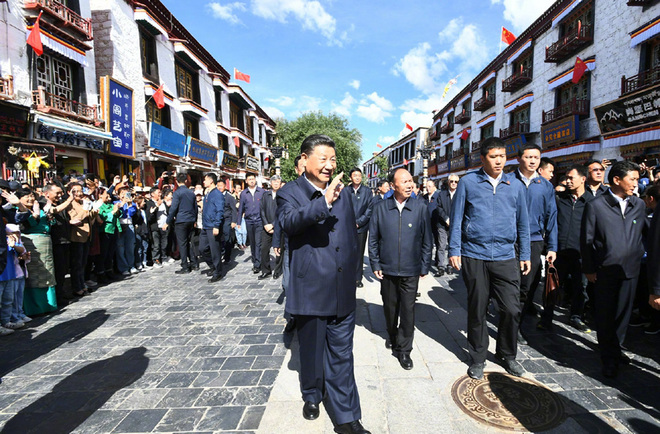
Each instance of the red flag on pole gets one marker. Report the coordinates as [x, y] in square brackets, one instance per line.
[34, 39]
[408, 126]
[378, 145]
[464, 135]
[507, 36]
[237, 142]
[238, 75]
[159, 97]
[579, 69]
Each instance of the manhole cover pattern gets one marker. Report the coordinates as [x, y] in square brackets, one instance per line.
[511, 403]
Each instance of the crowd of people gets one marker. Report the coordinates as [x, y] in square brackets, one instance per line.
[502, 231]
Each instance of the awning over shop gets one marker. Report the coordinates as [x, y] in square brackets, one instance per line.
[60, 46]
[568, 75]
[589, 146]
[525, 99]
[73, 127]
[519, 51]
[485, 121]
[565, 12]
[645, 32]
[486, 79]
[636, 136]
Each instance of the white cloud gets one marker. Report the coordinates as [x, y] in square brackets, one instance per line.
[355, 84]
[386, 140]
[375, 108]
[310, 13]
[274, 112]
[226, 12]
[283, 101]
[421, 68]
[522, 13]
[344, 107]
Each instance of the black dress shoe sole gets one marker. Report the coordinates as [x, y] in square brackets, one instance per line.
[310, 413]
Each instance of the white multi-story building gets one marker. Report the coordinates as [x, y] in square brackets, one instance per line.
[402, 153]
[90, 94]
[526, 94]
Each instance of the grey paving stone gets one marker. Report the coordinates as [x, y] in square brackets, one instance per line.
[215, 397]
[140, 421]
[178, 379]
[176, 398]
[180, 419]
[236, 363]
[252, 396]
[221, 418]
[244, 378]
[252, 418]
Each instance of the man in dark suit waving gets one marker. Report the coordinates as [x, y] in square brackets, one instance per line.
[317, 216]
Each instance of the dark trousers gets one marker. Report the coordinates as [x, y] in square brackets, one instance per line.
[254, 230]
[227, 240]
[436, 242]
[210, 250]
[362, 242]
[613, 304]
[399, 306]
[501, 280]
[61, 264]
[108, 248]
[279, 261]
[78, 257]
[530, 282]
[183, 233]
[158, 245]
[326, 364]
[569, 272]
[195, 251]
[441, 248]
[266, 243]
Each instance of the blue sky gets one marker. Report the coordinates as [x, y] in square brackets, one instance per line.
[378, 63]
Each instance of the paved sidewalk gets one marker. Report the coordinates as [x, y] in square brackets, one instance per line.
[419, 401]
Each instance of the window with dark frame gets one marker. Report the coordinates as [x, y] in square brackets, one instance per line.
[489, 89]
[487, 131]
[223, 142]
[218, 106]
[148, 56]
[524, 63]
[60, 77]
[191, 126]
[574, 91]
[236, 117]
[187, 84]
[520, 116]
[583, 17]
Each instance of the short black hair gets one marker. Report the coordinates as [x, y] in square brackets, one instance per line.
[315, 140]
[213, 177]
[491, 143]
[545, 162]
[381, 182]
[92, 177]
[181, 178]
[620, 169]
[153, 189]
[528, 146]
[355, 169]
[296, 161]
[653, 191]
[433, 181]
[581, 170]
[590, 162]
[250, 175]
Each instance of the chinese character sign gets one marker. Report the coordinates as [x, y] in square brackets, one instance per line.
[640, 108]
[119, 117]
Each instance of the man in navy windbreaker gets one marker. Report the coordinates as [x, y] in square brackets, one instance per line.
[488, 218]
[250, 207]
[542, 213]
[210, 237]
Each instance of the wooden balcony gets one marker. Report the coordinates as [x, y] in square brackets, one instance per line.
[574, 41]
[447, 128]
[476, 145]
[642, 80]
[484, 103]
[519, 128]
[68, 17]
[7, 87]
[49, 103]
[434, 135]
[517, 80]
[574, 107]
[463, 117]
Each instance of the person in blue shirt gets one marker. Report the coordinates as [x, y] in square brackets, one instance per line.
[488, 220]
[126, 239]
[249, 206]
[210, 238]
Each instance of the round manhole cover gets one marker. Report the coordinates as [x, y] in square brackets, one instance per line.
[511, 403]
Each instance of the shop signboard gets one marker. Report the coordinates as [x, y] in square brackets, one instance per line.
[629, 111]
[474, 159]
[513, 144]
[203, 151]
[458, 163]
[251, 163]
[565, 130]
[13, 120]
[166, 140]
[443, 167]
[433, 169]
[117, 100]
[227, 160]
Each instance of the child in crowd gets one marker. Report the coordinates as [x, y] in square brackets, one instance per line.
[7, 285]
[20, 266]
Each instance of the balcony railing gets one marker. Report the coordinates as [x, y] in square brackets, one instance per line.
[447, 128]
[70, 18]
[640, 81]
[518, 128]
[49, 103]
[579, 37]
[476, 145]
[7, 87]
[462, 117]
[434, 135]
[485, 103]
[458, 152]
[574, 107]
[517, 80]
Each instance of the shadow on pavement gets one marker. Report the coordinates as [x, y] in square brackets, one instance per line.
[20, 348]
[79, 395]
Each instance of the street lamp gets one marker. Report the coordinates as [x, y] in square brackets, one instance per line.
[425, 154]
[278, 152]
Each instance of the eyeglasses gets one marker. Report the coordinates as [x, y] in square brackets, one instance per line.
[597, 170]
[453, 182]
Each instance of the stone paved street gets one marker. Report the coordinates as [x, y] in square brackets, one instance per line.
[168, 353]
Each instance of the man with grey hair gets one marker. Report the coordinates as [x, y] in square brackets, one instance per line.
[268, 212]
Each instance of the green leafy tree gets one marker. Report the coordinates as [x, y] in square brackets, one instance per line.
[347, 140]
[383, 166]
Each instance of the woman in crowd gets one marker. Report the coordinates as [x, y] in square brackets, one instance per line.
[82, 215]
[109, 219]
[241, 234]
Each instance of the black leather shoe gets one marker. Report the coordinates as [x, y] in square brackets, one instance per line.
[264, 275]
[310, 410]
[276, 275]
[208, 272]
[439, 273]
[476, 371]
[255, 270]
[195, 267]
[215, 279]
[290, 326]
[511, 366]
[405, 361]
[354, 427]
[389, 342]
[521, 338]
[359, 284]
[183, 271]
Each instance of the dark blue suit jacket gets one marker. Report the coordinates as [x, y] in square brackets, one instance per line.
[213, 213]
[323, 250]
[653, 243]
[361, 206]
[444, 207]
[184, 206]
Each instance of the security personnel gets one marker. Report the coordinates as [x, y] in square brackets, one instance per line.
[362, 198]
